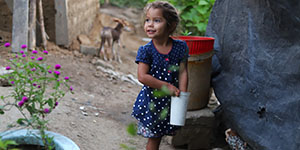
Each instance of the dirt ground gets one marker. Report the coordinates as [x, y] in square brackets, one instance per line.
[97, 115]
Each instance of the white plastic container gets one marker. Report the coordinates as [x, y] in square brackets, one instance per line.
[179, 108]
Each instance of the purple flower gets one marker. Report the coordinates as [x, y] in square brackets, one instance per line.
[34, 52]
[57, 66]
[45, 52]
[23, 46]
[23, 55]
[71, 88]
[49, 71]
[34, 84]
[46, 110]
[7, 44]
[38, 86]
[17, 56]
[8, 68]
[56, 103]
[30, 79]
[22, 52]
[57, 72]
[33, 69]
[12, 82]
[32, 57]
[21, 103]
[67, 78]
[40, 58]
[25, 99]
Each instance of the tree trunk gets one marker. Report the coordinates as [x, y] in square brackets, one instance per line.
[32, 25]
[42, 24]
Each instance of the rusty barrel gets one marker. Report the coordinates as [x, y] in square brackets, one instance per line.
[199, 69]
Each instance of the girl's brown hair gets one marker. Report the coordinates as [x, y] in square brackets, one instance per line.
[169, 13]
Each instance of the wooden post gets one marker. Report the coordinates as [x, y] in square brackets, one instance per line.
[20, 25]
[42, 24]
[32, 25]
[61, 23]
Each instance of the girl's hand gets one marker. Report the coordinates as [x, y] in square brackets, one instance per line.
[174, 90]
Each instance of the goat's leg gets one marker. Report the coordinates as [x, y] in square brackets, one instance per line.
[118, 52]
[113, 50]
[101, 49]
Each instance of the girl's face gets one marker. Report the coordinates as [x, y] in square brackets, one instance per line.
[155, 24]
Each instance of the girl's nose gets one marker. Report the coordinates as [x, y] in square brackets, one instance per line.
[150, 23]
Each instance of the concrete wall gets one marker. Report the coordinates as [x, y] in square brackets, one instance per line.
[80, 16]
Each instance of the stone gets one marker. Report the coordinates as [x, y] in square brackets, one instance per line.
[3, 71]
[88, 50]
[197, 131]
[84, 39]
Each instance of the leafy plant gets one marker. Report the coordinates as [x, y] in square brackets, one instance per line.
[194, 15]
[37, 90]
[4, 144]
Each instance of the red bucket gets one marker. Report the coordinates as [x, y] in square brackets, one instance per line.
[197, 44]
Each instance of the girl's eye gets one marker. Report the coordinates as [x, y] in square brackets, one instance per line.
[147, 20]
[157, 20]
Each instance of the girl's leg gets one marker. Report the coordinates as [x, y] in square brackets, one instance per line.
[153, 143]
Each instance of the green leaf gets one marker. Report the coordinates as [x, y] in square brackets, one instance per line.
[164, 113]
[151, 106]
[20, 121]
[1, 110]
[173, 68]
[203, 2]
[132, 129]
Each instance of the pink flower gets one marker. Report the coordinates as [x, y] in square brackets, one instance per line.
[46, 110]
[38, 86]
[7, 44]
[24, 55]
[32, 57]
[67, 78]
[40, 58]
[45, 52]
[34, 84]
[33, 69]
[8, 68]
[25, 99]
[22, 52]
[49, 71]
[71, 88]
[56, 103]
[57, 72]
[34, 52]
[12, 82]
[57, 66]
[24, 46]
[21, 103]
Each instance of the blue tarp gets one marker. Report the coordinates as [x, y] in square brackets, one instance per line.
[256, 70]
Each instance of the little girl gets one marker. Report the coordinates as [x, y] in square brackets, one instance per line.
[155, 62]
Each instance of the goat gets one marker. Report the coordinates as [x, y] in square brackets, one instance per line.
[111, 36]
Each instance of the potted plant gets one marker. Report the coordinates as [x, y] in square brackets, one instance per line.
[37, 89]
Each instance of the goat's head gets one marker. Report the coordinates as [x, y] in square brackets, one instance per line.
[124, 24]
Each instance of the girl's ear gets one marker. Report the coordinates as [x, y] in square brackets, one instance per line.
[172, 27]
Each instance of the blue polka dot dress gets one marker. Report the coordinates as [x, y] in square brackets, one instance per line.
[153, 113]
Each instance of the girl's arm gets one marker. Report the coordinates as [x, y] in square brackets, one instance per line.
[183, 76]
[151, 81]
